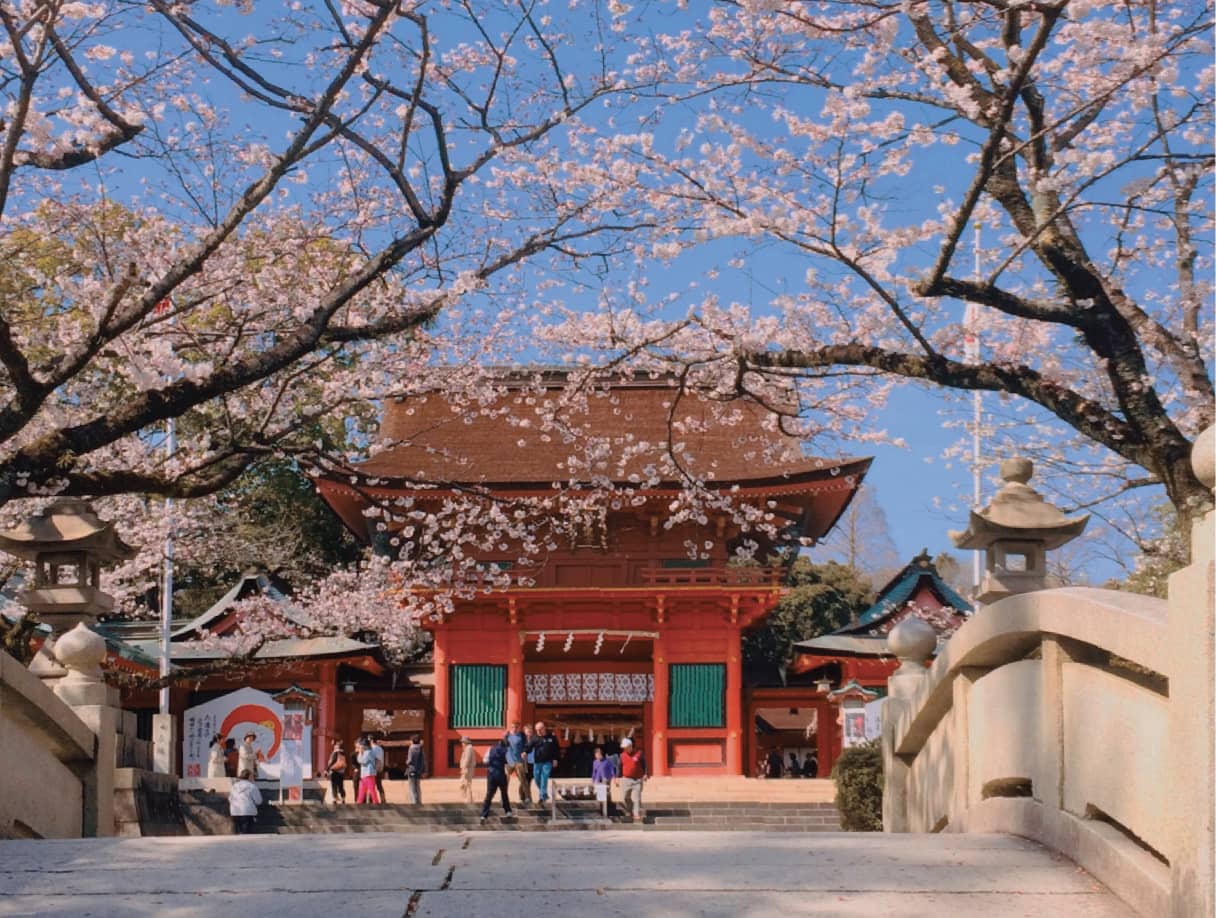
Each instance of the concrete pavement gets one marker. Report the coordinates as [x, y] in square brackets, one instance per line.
[653, 875]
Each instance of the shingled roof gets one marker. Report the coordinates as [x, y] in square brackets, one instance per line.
[623, 433]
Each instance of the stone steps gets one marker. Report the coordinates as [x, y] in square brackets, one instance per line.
[207, 814]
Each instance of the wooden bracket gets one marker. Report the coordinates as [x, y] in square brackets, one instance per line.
[660, 609]
[512, 616]
[734, 610]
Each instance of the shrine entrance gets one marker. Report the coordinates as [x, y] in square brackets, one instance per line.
[582, 728]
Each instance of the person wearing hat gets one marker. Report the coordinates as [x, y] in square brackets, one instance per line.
[247, 756]
[468, 761]
[634, 773]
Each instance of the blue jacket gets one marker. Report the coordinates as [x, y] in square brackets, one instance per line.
[497, 759]
[516, 748]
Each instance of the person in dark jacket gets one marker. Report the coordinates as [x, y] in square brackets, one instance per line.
[416, 769]
[496, 760]
[545, 749]
[774, 764]
[810, 765]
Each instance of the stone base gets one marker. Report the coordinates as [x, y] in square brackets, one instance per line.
[146, 803]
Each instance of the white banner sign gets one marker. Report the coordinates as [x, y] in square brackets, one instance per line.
[234, 716]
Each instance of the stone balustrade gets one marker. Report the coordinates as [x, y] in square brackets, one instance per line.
[1080, 718]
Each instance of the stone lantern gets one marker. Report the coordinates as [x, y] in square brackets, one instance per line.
[69, 544]
[1016, 530]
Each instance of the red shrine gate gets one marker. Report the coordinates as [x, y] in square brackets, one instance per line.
[625, 630]
[660, 663]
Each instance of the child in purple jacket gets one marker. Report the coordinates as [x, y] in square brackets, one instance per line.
[603, 768]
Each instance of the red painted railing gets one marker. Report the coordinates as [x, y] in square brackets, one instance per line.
[712, 576]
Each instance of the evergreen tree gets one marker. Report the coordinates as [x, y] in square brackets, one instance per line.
[819, 598]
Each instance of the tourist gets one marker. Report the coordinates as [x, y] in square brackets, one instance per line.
[468, 761]
[527, 789]
[810, 765]
[793, 765]
[244, 800]
[774, 764]
[634, 773]
[603, 773]
[545, 749]
[215, 757]
[230, 757]
[336, 767]
[416, 768]
[368, 773]
[247, 757]
[516, 741]
[603, 768]
[497, 778]
[378, 752]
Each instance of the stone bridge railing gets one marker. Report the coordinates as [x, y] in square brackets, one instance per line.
[1081, 718]
[70, 763]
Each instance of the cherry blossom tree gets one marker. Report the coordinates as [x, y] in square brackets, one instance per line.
[252, 220]
[848, 152]
[249, 219]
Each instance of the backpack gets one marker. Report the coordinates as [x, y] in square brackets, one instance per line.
[340, 763]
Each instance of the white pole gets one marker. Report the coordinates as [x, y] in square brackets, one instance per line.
[975, 356]
[167, 584]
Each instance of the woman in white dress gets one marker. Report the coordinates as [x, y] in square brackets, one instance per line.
[215, 757]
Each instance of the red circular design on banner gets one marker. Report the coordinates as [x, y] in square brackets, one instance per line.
[259, 716]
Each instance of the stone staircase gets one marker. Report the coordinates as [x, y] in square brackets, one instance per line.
[207, 815]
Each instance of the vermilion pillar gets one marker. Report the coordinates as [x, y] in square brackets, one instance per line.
[733, 717]
[440, 713]
[659, 754]
[516, 679]
[825, 738]
[324, 731]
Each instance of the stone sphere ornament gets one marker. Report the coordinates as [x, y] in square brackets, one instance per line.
[81, 652]
[1202, 459]
[912, 641]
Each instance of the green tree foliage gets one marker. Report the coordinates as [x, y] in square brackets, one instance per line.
[859, 779]
[271, 518]
[819, 598]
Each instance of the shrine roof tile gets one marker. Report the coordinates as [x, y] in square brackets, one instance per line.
[635, 432]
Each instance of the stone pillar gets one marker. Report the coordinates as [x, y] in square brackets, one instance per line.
[1048, 779]
[165, 743]
[81, 653]
[1191, 696]
[912, 641]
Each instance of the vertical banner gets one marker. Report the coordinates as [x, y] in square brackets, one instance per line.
[292, 757]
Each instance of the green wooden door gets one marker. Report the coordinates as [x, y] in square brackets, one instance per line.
[696, 694]
[477, 694]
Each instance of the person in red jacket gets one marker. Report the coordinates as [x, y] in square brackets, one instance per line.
[634, 773]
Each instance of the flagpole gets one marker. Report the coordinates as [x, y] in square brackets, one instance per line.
[167, 587]
[974, 352]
